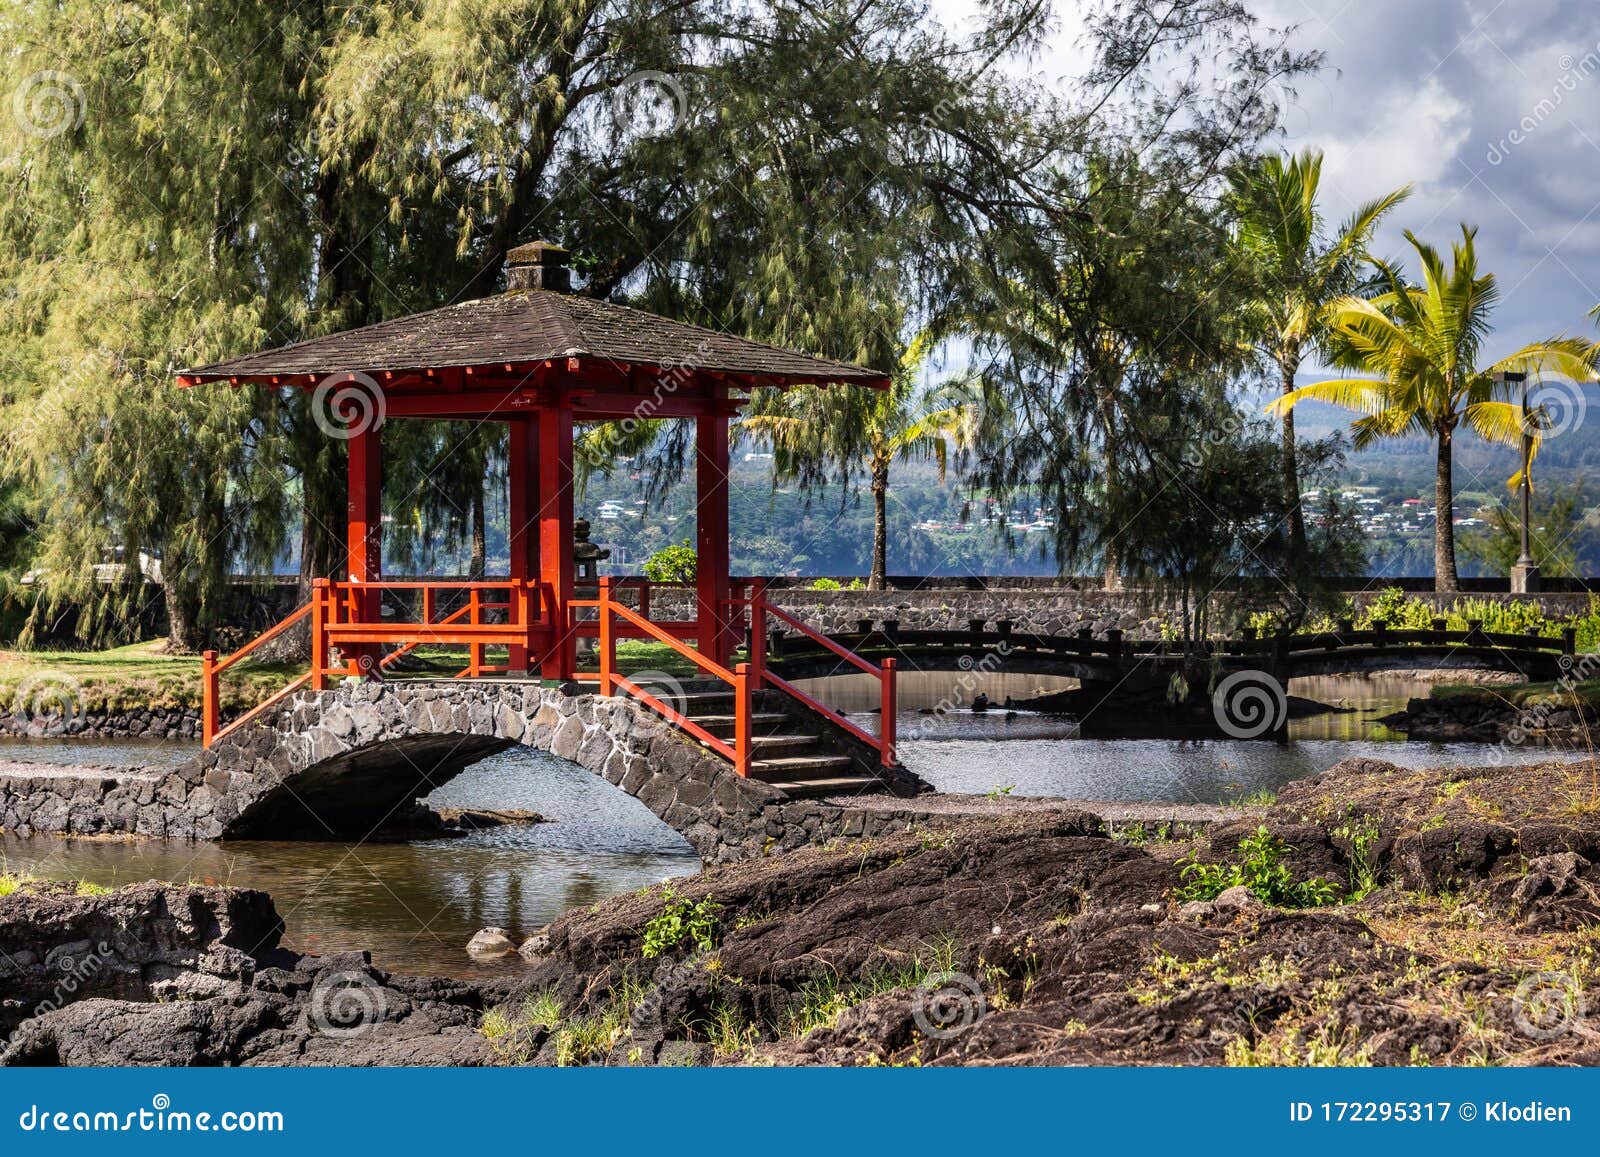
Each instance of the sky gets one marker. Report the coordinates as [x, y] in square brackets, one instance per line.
[1491, 108]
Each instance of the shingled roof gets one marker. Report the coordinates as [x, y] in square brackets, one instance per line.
[532, 326]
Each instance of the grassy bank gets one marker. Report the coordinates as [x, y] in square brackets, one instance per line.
[145, 675]
[1518, 695]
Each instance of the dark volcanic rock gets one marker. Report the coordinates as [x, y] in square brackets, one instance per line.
[159, 975]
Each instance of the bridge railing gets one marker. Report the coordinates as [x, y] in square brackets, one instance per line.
[614, 619]
[762, 676]
[347, 617]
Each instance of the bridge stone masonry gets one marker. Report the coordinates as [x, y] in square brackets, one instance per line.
[342, 763]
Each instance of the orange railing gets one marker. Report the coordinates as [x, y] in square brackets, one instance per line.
[348, 616]
[612, 614]
[884, 672]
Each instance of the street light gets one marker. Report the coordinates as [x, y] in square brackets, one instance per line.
[1525, 575]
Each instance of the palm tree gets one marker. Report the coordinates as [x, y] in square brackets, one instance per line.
[1424, 341]
[903, 421]
[1297, 273]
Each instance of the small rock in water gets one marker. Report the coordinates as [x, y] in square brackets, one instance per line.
[534, 946]
[490, 942]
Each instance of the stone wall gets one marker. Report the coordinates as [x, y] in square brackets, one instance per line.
[136, 723]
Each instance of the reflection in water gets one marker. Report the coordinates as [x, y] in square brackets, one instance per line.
[416, 905]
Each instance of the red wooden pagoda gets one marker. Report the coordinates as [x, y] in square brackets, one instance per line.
[541, 359]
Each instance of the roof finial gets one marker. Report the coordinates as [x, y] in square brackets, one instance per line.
[538, 265]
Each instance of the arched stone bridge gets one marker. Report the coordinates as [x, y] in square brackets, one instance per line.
[338, 763]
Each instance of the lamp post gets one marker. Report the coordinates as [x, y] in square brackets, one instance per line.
[1525, 574]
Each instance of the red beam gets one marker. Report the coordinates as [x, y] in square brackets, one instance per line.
[364, 528]
[523, 468]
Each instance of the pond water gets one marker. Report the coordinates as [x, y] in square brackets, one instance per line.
[415, 905]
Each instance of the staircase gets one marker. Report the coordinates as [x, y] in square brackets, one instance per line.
[787, 751]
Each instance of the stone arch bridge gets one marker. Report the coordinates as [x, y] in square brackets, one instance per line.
[339, 763]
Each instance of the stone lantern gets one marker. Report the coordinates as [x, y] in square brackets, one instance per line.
[586, 560]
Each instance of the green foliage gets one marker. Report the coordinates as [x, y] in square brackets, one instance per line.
[678, 921]
[1260, 868]
[827, 584]
[1360, 836]
[672, 564]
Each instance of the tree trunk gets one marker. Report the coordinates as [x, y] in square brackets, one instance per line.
[184, 635]
[480, 542]
[1291, 470]
[1444, 531]
[880, 527]
[1107, 406]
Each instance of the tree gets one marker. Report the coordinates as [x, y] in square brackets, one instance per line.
[1424, 341]
[1558, 513]
[906, 420]
[1295, 273]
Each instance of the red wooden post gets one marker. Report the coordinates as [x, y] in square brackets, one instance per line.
[364, 541]
[211, 710]
[427, 606]
[887, 709]
[522, 534]
[319, 634]
[475, 618]
[741, 719]
[711, 535]
[758, 632]
[608, 642]
[560, 660]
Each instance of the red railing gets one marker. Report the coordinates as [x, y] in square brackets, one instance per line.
[884, 672]
[610, 614]
[348, 616]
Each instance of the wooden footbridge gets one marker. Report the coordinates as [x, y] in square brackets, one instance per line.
[1112, 659]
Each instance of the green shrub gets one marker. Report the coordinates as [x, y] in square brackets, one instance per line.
[671, 564]
[826, 584]
[1259, 868]
[678, 921]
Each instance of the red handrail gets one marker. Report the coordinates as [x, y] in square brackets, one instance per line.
[884, 672]
[737, 752]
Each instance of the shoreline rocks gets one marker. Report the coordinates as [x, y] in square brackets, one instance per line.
[157, 974]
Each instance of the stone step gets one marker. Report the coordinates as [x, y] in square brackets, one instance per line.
[795, 768]
[796, 744]
[764, 722]
[837, 785]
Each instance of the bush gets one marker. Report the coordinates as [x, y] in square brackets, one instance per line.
[672, 564]
[678, 921]
[1262, 870]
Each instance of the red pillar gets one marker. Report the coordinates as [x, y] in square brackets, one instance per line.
[364, 534]
[711, 535]
[555, 534]
[523, 469]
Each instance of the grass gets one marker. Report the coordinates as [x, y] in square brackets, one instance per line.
[1519, 695]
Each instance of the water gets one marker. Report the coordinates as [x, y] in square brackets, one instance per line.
[415, 905]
